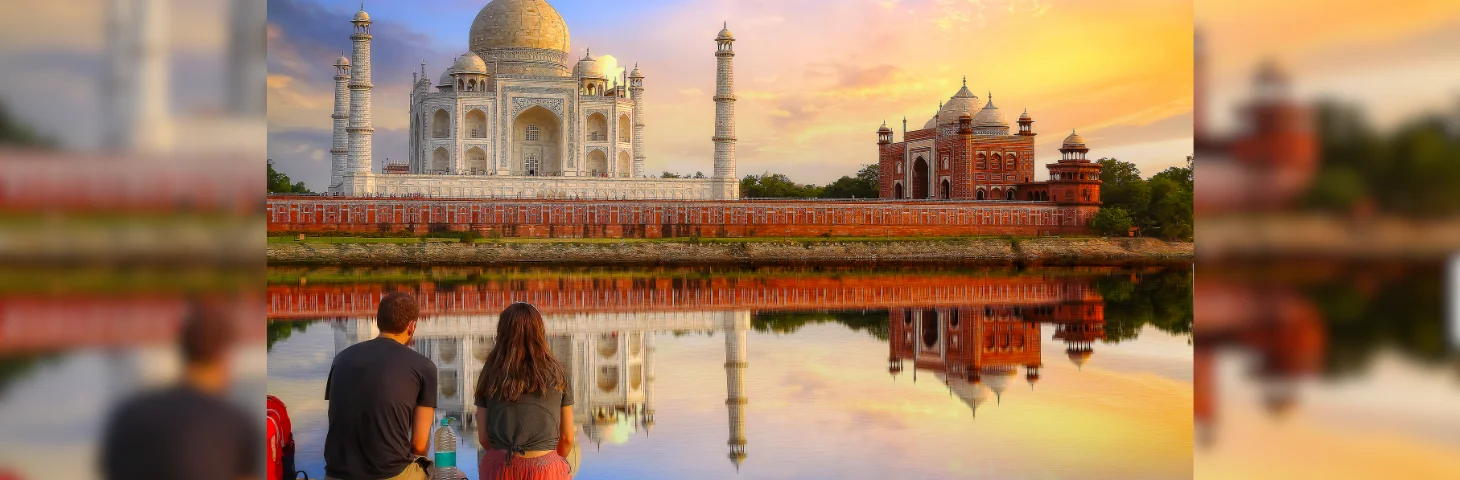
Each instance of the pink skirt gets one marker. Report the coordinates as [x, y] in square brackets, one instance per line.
[547, 467]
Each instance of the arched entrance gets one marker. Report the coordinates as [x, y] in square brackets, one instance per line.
[597, 163]
[597, 128]
[476, 124]
[946, 190]
[980, 194]
[441, 124]
[476, 161]
[536, 138]
[897, 191]
[625, 167]
[920, 179]
[623, 128]
[1009, 195]
[440, 160]
[930, 329]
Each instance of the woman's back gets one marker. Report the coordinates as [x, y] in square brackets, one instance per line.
[524, 402]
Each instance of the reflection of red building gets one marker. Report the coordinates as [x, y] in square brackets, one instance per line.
[1271, 158]
[1283, 331]
[977, 350]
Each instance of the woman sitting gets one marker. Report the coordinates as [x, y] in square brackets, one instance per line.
[524, 403]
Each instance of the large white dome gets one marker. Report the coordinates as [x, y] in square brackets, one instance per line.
[962, 102]
[528, 37]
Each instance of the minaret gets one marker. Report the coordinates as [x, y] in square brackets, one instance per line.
[247, 59]
[360, 128]
[636, 88]
[340, 151]
[648, 418]
[725, 110]
[735, 364]
[136, 87]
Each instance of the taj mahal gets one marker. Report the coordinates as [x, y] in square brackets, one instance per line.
[511, 118]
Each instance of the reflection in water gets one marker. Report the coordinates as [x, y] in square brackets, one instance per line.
[973, 330]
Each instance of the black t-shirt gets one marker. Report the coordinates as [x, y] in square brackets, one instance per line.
[181, 433]
[530, 424]
[374, 388]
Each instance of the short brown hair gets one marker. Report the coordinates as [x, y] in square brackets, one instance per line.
[397, 311]
[206, 332]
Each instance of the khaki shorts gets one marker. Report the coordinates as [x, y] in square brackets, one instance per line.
[412, 472]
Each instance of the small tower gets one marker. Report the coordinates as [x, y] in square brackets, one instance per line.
[470, 73]
[884, 135]
[340, 149]
[636, 89]
[725, 113]
[965, 124]
[1026, 124]
[1074, 180]
[360, 129]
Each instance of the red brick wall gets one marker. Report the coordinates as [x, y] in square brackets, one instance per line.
[963, 172]
[658, 219]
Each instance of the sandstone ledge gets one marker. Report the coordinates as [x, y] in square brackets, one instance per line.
[1046, 250]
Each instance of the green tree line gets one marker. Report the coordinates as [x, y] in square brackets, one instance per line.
[1412, 170]
[774, 185]
[1160, 206]
[280, 183]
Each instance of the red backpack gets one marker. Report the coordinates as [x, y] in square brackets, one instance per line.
[280, 442]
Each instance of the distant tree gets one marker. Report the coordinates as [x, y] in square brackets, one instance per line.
[1111, 221]
[13, 132]
[1122, 186]
[280, 183]
[669, 174]
[864, 185]
[775, 185]
[699, 175]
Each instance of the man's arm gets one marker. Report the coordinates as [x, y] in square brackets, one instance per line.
[421, 431]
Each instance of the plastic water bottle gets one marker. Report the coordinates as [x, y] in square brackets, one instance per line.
[445, 468]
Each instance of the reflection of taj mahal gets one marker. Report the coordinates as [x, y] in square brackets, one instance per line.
[512, 118]
[609, 360]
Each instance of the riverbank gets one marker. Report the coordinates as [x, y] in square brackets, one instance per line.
[962, 250]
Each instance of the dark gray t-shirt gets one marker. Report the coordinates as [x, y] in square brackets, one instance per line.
[529, 424]
[373, 389]
[181, 433]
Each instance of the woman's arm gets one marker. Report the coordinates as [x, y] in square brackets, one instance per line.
[482, 438]
[565, 432]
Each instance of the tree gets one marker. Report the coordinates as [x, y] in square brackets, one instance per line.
[1111, 221]
[864, 185]
[775, 185]
[280, 183]
[1122, 186]
[14, 132]
[669, 174]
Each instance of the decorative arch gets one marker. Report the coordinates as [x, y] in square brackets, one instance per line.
[597, 163]
[982, 160]
[920, 179]
[1010, 162]
[897, 193]
[997, 193]
[930, 328]
[441, 124]
[476, 124]
[440, 160]
[945, 190]
[1009, 195]
[998, 162]
[597, 127]
[625, 166]
[980, 194]
[624, 130]
[476, 161]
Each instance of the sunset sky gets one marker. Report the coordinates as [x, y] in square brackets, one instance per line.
[815, 78]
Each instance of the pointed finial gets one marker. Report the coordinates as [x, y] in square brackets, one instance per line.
[727, 24]
[965, 80]
[362, 6]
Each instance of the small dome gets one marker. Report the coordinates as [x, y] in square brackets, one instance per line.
[343, 61]
[361, 16]
[446, 79]
[1079, 357]
[1074, 140]
[884, 128]
[470, 63]
[1025, 115]
[990, 116]
[589, 67]
[636, 73]
[725, 33]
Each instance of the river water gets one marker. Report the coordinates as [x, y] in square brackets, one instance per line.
[795, 372]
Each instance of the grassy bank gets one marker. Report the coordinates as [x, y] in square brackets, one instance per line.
[691, 251]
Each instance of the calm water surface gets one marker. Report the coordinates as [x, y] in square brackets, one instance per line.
[797, 373]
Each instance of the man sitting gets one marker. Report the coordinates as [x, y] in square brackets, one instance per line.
[382, 398]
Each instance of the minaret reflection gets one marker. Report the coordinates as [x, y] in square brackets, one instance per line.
[976, 351]
[735, 365]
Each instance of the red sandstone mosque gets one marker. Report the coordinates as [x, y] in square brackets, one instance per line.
[962, 155]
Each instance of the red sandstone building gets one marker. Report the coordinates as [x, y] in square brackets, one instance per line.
[959, 155]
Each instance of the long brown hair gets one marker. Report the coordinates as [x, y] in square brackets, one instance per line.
[521, 361]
